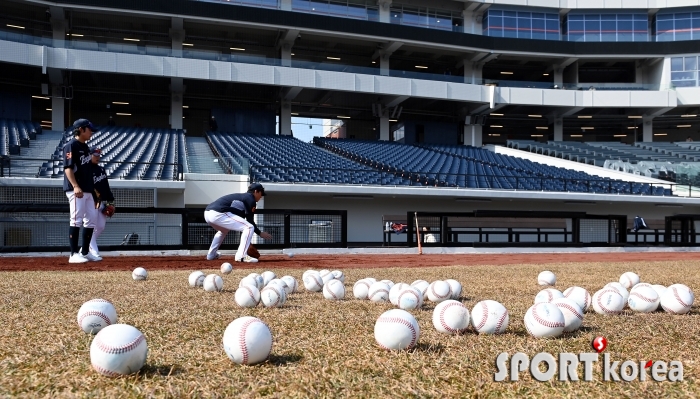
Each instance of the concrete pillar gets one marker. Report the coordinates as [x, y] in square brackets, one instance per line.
[384, 128]
[177, 91]
[558, 76]
[558, 129]
[59, 25]
[384, 63]
[177, 34]
[384, 11]
[647, 129]
[58, 109]
[286, 53]
[286, 5]
[473, 135]
[472, 22]
[473, 72]
[571, 74]
[285, 118]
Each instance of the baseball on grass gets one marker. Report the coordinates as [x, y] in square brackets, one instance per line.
[409, 298]
[395, 291]
[119, 349]
[226, 268]
[620, 290]
[378, 292]
[396, 329]
[580, 296]
[489, 317]
[629, 279]
[451, 317]
[544, 320]
[455, 287]
[213, 283]
[677, 299]
[268, 276]
[247, 340]
[273, 296]
[643, 299]
[548, 295]
[291, 255]
[439, 291]
[573, 314]
[360, 289]
[334, 290]
[546, 278]
[95, 315]
[247, 296]
[139, 274]
[196, 279]
[291, 284]
[608, 301]
[248, 280]
[313, 282]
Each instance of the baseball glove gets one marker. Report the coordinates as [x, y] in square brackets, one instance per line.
[108, 208]
[253, 252]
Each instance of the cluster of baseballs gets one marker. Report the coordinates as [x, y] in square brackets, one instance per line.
[405, 296]
[266, 288]
[117, 349]
[331, 283]
[210, 282]
[556, 312]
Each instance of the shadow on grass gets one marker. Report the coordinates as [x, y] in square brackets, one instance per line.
[283, 360]
[163, 370]
[430, 348]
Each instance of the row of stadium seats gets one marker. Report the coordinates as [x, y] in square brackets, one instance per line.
[15, 133]
[130, 153]
[461, 166]
[286, 159]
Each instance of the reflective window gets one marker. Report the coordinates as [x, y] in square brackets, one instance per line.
[424, 17]
[252, 3]
[677, 26]
[339, 8]
[609, 27]
[684, 71]
[521, 24]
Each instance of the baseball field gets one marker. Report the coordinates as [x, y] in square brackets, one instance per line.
[327, 348]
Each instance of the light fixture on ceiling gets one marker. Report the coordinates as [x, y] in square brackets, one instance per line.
[496, 114]
[542, 128]
[535, 116]
[123, 114]
[188, 44]
[49, 109]
[421, 67]
[576, 135]
[587, 128]
[688, 116]
[393, 120]
[660, 134]
[294, 113]
[237, 49]
[132, 40]
[333, 58]
[76, 35]
[343, 117]
[496, 126]
[619, 135]
[15, 26]
[545, 74]
[506, 73]
[683, 126]
[119, 103]
[49, 122]
[185, 106]
[41, 97]
[631, 127]
[585, 116]
[634, 116]
[495, 134]
[536, 135]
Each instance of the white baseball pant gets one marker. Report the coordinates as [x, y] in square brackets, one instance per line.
[223, 223]
[100, 221]
[82, 210]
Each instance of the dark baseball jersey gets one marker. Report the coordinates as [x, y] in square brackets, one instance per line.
[242, 205]
[76, 156]
[102, 190]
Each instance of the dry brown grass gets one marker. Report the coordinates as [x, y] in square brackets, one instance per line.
[324, 348]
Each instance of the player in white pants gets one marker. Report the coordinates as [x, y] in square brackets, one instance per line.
[234, 212]
[104, 200]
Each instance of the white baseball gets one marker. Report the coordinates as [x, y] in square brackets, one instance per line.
[313, 282]
[409, 298]
[139, 274]
[324, 272]
[660, 289]
[307, 272]
[387, 282]
[620, 290]
[96, 314]
[678, 299]
[360, 289]
[548, 295]
[546, 278]
[395, 291]
[226, 268]
[643, 299]
[439, 291]
[544, 320]
[422, 286]
[247, 296]
[250, 281]
[396, 329]
[334, 290]
[196, 279]
[291, 283]
[259, 281]
[489, 317]
[339, 275]
[413, 284]
[273, 296]
[327, 277]
[573, 314]
[213, 283]
[117, 350]
[378, 292]
[455, 288]
[629, 279]
[608, 301]
[451, 317]
[638, 285]
[370, 280]
[580, 296]
[247, 340]
[279, 283]
[291, 255]
[268, 276]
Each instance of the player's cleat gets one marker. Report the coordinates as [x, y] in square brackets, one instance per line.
[77, 258]
[217, 256]
[248, 259]
[93, 257]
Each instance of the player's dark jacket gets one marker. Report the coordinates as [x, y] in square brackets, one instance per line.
[76, 156]
[102, 190]
[242, 205]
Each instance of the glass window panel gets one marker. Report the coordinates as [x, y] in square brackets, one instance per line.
[537, 15]
[641, 17]
[684, 76]
[335, 8]
[301, 5]
[608, 17]
[510, 14]
[592, 26]
[498, 32]
[538, 25]
[682, 29]
[319, 6]
[552, 16]
[496, 23]
[358, 11]
[578, 37]
[592, 17]
[413, 18]
[373, 14]
[527, 15]
[553, 28]
[691, 63]
[684, 83]
[510, 26]
[540, 35]
[664, 17]
[524, 24]
[624, 17]
[495, 12]
[696, 28]
[683, 15]
[575, 17]
[676, 63]
[396, 16]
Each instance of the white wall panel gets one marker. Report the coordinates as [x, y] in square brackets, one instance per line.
[285, 76]
[193, 69]
[501, 95]
[584, 98]
[651, 99]
[335, 80]
[688, 95]
[559, 97]
[220, 71]
[20, 53]
[139, 64]
[249, 73]
[390, 85]
[428, 89]
[616, 4]
[364, 83]
[611, 98]
[169, 66]
[100, 61]
[464, 92]
[57, 58]
[520, 95]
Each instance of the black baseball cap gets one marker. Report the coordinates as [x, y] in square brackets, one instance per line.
[84, 123]
[256, 187]
[96, 152]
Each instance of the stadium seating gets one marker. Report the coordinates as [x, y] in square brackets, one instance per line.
[286, 159]
[464, 166]
[15, 134]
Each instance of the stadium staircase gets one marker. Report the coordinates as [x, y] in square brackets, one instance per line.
[201, 158]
